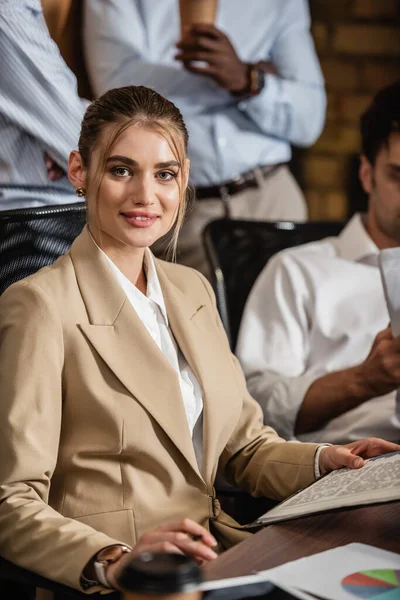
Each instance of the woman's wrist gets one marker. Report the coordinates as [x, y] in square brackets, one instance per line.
[96, 570]
[112, 570]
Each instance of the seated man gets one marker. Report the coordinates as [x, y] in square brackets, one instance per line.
[314, 341]
[40, 110]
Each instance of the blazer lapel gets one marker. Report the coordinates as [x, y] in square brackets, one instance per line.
[120, 338]
[212, 367]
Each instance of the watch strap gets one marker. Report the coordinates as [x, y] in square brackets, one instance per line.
[255, 82]
[256, 79]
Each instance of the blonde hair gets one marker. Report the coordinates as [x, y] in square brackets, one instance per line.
[111, 114]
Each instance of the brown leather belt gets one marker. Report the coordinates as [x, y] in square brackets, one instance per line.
[234, 186]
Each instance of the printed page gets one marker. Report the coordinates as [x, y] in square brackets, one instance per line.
[389, 265]
[344, 573]
[377, 481]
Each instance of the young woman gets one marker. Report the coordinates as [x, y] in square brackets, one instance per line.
[119, 395]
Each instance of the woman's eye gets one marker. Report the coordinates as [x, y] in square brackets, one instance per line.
[166, 175]
[120, 171]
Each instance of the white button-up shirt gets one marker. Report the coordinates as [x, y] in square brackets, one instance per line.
[151, 310]
[316, 309]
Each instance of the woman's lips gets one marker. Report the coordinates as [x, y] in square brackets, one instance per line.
[140, 220]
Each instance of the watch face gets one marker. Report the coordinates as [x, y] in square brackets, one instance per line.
[111, 554]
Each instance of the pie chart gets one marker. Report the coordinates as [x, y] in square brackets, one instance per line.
[378, 584]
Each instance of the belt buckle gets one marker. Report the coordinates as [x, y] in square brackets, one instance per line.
[225, 197]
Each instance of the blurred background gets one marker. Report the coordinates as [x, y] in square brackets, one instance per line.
[358, 43]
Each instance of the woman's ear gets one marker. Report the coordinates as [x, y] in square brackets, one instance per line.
[76, 170]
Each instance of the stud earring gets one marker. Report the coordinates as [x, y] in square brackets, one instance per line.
[80, 192]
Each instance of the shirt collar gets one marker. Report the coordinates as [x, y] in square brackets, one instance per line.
[153, 292]
[354, 243]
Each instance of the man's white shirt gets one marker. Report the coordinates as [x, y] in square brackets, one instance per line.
[313, 310]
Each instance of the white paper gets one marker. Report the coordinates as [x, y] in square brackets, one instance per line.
[262, 576]
[321, 574]
[389, 265]
[234, 581]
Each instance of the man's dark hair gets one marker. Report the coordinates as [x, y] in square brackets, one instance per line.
[380, 120]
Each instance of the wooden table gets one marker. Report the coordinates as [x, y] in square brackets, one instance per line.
[377, 525]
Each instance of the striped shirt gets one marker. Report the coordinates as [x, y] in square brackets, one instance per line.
[40, 110]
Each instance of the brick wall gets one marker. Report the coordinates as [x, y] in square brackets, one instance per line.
[358, 43]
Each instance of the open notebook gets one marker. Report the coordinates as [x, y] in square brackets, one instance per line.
[377, 481]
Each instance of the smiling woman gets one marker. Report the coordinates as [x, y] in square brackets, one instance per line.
[132, 163]
[120, 398]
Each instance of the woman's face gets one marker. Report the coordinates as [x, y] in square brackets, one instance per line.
[139, 194]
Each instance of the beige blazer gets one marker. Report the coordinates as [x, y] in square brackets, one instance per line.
[94, 443]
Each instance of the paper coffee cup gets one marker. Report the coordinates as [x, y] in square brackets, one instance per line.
[197, 11]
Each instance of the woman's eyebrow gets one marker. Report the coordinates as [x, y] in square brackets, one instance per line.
[168, 163]
[134, 163]
[124, 159]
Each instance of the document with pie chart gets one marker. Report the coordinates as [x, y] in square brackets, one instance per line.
[375, 584]
[350, 572]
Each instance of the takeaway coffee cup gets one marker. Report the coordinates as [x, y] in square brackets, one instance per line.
[161, 576]
[196, 11]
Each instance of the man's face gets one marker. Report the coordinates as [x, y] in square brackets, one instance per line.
[382, 182]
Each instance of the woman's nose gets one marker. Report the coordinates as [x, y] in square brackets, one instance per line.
[143, 193]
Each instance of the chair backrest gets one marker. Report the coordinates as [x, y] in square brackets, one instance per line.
[238, 250]
[35, 237]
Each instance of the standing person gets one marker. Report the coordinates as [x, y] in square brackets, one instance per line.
[314, 341]
[113, 421]
[40, 111]
[259, 91]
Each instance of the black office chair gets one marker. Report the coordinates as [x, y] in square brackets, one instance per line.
[238, 250]
[30, 239]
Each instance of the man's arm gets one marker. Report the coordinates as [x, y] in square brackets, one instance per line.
[38, 92]
[115, 31]
[336, 393]
[292, 104]
[273, 348]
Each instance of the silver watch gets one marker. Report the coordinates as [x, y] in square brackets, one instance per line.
[106, 557]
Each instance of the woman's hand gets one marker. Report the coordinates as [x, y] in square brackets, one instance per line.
[352, 455]
[182, 537]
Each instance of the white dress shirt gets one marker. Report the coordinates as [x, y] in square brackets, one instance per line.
[313, 310]
[151, 310]
[136, 42]
[40, 110]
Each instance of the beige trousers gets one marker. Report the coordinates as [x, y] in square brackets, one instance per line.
[277, 197]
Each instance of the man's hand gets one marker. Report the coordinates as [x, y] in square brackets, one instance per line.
[379, 374]
[204, 42]
[54, 171]
[352, 455]
[181, 537]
